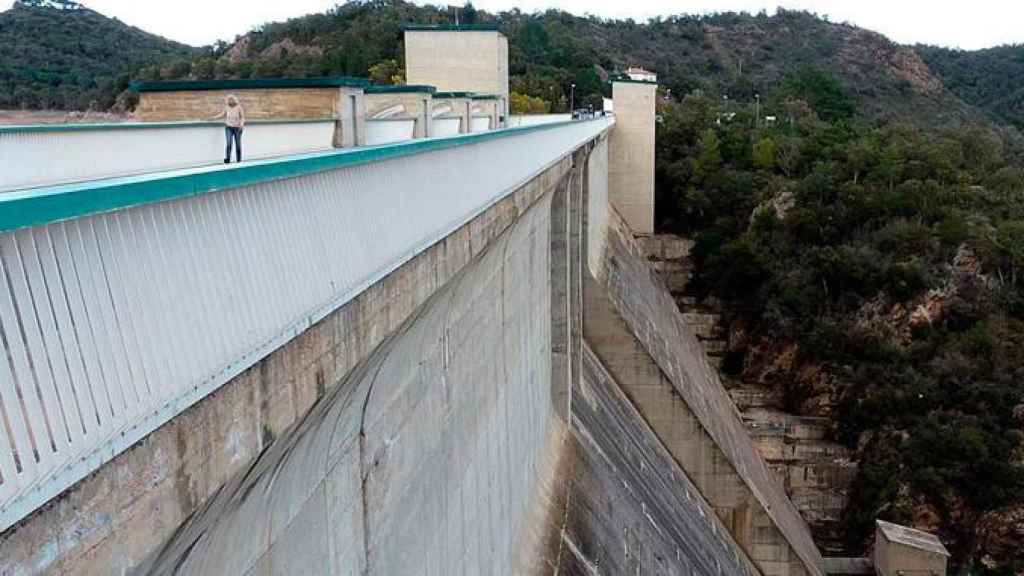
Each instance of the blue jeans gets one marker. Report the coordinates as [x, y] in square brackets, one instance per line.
[232, 133]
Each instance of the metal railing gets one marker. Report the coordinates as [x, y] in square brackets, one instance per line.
[125, 301]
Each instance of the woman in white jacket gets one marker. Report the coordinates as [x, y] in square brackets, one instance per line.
[234, 123]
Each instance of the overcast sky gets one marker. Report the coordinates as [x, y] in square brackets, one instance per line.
[966, 24]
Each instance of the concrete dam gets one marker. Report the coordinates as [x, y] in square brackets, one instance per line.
[442, 354]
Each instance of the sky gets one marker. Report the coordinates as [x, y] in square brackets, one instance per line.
[941, 22]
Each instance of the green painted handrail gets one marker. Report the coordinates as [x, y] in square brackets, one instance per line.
[46, 205]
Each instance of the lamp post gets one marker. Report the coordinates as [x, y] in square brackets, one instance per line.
[757, 111]
[572, 98]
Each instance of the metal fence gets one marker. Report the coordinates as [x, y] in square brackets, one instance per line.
[55, 154]
[117, 311]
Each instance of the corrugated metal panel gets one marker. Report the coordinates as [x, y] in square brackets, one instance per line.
[113, 323]
[47, 157]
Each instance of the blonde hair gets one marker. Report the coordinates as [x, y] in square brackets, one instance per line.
[231, 98]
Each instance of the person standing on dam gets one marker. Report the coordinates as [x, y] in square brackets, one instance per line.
[234, 122]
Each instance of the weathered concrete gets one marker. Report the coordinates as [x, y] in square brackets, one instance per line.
[448, 450]
[263, 103]
[423, 460]
[631, 157]
[631, 510]
[472, 431]
[413, 105]
[815, 472]
[453, 107]
[903, 551]
[113, 519]
[635, 328]
[459, 61]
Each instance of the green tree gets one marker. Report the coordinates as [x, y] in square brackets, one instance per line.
[523, 104]
[708, 161]
[764, 153]
[823, 92]
[469, 14]
[387, 72]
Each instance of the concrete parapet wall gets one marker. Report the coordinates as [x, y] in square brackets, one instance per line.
[48, 155]
[414, 105]
[535, 119]
[113, 519]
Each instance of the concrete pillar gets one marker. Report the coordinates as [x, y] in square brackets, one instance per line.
[350, 117]
[631, 154]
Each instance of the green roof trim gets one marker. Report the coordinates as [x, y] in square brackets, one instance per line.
[397, 89]
[485, 27]
[46, 205]
[628, 80]
[248, 84]
[84, 127]
[452, 94]
[475, 96]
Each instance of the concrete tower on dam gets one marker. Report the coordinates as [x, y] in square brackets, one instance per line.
[459, 59]
[631, 164]
[429, 356]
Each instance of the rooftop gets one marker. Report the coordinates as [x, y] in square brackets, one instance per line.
[629, 80]
[911, 537]
[485, 27]
[397, 88]
[248, 84]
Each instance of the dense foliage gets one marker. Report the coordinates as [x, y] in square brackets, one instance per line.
[826, 233]
[71, 59]
[989, 79]
[734, 54]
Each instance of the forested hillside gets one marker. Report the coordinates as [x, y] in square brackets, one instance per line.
[991, 79]
[872, 273]
[738, 55]
[60, 55]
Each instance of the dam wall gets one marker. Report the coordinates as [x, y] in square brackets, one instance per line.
[114, 518]
[422, 461]
[502, 386]
[448, 450]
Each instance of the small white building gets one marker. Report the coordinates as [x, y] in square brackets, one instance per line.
[637, 73]
[903, 551]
